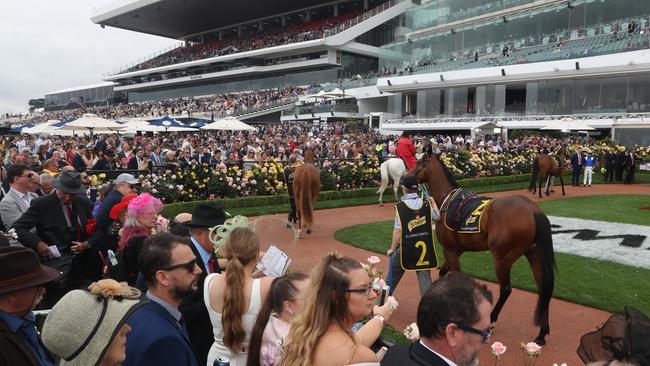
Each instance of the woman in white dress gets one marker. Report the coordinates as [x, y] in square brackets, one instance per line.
[341, 294]
[234, 299]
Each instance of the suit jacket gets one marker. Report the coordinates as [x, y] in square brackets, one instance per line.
[46, 216]
[157, 339]
[15, 348]
[104, 164]
[197, 319]
[575, 162]
[12, 207]
[133, 163]
[205, 158]
[78, 163]
[413, 354]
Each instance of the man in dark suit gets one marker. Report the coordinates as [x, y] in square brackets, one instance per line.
[454, 323]
[576, 163]
[630, 162]
[202, 156]
[159, 336]
[195, 313]
[610, 161]
[620, 164]
[77, 160]
[136, 159]
[59, 220]
[106, 162]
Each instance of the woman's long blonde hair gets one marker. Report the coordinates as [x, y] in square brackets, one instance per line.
[326, 304]
[241, 247]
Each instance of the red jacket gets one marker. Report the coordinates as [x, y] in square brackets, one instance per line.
[406, 151]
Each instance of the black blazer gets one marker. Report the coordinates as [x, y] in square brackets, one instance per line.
[45, 214]
[104, 164]
[78, 163]
[197, 319]
[413, 354]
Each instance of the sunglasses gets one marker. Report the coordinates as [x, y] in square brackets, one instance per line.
[28, 175]
[188, 266]
[485, 333]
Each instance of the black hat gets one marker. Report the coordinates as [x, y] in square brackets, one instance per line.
[205, 215]
[69, 182]
[410, 182]
[20, 268]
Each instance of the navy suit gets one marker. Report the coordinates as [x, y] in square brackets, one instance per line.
[157, 339]
[409, 354]
[577, 161]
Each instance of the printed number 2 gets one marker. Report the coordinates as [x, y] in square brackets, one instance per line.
[422, 262]
[480, 208]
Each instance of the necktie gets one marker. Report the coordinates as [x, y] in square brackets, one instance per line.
[68, 208]
[211, 264]
[74, 222]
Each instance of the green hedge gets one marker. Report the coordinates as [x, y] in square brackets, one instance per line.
[173, 209]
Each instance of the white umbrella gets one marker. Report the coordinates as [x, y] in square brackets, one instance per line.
[566, 124]
[92, 123]
[43, 128]
[229, 124]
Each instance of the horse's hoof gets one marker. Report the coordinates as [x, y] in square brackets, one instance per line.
[288, 226]
[381, 205]
[540, 341]
[309, 231]
[492, 325]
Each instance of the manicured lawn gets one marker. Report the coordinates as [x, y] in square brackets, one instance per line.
[605, 285]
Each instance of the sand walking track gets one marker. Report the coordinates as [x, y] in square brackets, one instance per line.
[568, 321]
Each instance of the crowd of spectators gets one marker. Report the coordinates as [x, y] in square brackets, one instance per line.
[253, 40]
[217, 105]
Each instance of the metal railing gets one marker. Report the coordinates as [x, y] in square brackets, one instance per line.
[360, 18]
[132, 64]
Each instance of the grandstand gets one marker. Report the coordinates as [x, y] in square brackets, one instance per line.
[260, 46]
[517, 63]
[400, 64]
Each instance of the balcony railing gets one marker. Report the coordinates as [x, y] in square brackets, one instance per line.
[360, 18]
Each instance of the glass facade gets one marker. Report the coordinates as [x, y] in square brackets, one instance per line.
[91, 96]
[279, 81]
[620, 94]
[583, 20]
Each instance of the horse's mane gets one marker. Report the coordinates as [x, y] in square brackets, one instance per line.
[450, 177]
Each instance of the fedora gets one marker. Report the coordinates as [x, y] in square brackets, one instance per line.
[20, 268]
[69, 182]
[205, 215]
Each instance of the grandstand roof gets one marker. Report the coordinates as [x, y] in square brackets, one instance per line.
[181, 18]
[83, 87]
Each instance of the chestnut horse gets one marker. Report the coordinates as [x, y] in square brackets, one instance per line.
[545, 168]
[511, 227]
[306, 186]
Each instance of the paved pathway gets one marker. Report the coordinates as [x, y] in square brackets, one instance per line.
[568, 321]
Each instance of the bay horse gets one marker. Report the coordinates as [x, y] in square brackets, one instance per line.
[306, 187]
[545, 168]
[511, 227]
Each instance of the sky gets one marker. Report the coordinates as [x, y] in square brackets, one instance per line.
[47, 45]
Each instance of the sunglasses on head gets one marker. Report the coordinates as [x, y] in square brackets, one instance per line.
[188, 266]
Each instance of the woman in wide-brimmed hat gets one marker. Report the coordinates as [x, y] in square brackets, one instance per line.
[89, 328]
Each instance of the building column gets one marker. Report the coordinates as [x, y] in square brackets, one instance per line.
[239, 30]
[365, 4]
[284, 21]
[307, 16]
[220, 35]
[260, 25]
[336, 10]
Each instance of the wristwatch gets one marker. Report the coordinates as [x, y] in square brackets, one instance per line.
[380, 317]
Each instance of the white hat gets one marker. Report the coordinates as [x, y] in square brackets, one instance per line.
[81, 326]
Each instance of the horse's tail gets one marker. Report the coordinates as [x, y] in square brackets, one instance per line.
[384, 176]
[544, 248]
[307, 207]
[535, 174]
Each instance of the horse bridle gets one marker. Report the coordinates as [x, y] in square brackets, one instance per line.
[425, 162]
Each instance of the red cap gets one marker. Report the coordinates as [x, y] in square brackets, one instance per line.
[116, 211]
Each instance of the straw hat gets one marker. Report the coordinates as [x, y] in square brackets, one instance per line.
[81, 326]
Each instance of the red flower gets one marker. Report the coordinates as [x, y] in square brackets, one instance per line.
[90, 226]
